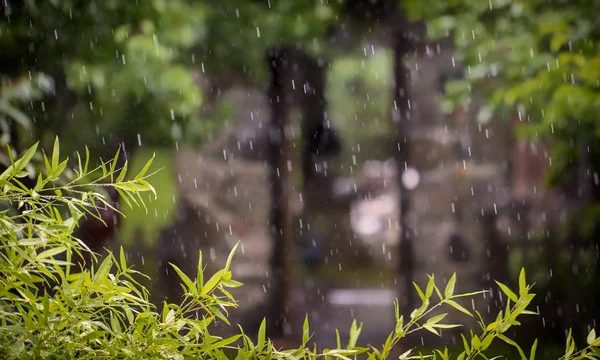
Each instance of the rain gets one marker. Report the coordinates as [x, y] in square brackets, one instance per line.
[351, 149]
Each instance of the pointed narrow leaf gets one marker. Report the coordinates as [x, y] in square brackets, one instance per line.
[405, 354]
[122, 173]
[191, 287]
[55, 153]
[522, 283]
[50, 253]
[449, 290]
[212, 282]
[122, 260]
[87, 160]
[354, 334]
[200, 273]
[533, 349]
[230, 257]
[305, 331]
[435, 319]
[430, 286]
[261, 335]
[420, 292]
[113, 164]
[514, 344]
[511, 295]
[26, 158]
[145, 168]
[431, 329]
[459, 307]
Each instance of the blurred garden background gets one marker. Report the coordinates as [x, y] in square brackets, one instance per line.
[351, 147]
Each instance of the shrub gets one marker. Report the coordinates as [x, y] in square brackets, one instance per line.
[53, 307]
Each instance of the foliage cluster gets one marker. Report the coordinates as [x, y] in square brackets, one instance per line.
[536, 62]
[118, 67]
[53, 307]
[132, 69]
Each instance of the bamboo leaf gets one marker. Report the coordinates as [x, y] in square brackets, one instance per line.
[511, 295]
[191, 287]
[200, 272]
[122, 173]
[261, 335]
[145, 168]
[305, 331]
[522, 283]
[230, 257]
[459, 307]
[449, 290]
[533, 349]
[55, 154]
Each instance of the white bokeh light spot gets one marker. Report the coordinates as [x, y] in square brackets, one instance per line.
[411, 178]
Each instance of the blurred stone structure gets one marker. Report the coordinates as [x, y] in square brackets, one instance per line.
[471, 183]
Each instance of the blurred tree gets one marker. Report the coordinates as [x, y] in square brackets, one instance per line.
[536, 62]
[118, 67]
[240, 32]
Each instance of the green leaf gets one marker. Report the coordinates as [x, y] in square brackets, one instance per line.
[145, 168]
[122, 260]
[223, 343]
[191, 287]
[430, 286]
[591, 337]
[87, 160]
[419, 291]
[230, 257]
[514, 344]
[405, 354]
[261, 335]
[435, 319]
[122, 173]
[431, 329]
[93, 335]
[511, 295]
[212, 283]
[420, 311]
[200, 272]
[26, 158]
[354, 334]
[533, 349]
[58, 170]
[103, 269]
[465, 344]
[459, 307]
[219, 314]
[449, 290]
[486, 342]
[39, 185]
[305, 331]
[55, 154]
[522, 283]
[113, 164]
[50, 253]
[445, 326]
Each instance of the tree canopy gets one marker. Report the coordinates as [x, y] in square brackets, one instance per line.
[536, 61]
